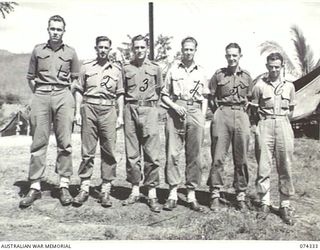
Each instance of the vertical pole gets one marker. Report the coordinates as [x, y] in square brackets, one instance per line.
[151, 55]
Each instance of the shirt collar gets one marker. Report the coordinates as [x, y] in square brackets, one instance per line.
[267, 80]
[192, 67]
[105, 66]
[47, 45]
[239, 71]
[145, 61]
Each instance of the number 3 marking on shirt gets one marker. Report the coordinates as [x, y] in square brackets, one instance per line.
[145, 85]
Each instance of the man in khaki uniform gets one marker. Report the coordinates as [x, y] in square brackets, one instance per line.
[230, 89]
[142, 83]
[185, 92]
[53, 68]
[274, 99]
[101, 86]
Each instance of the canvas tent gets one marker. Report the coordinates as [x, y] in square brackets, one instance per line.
[18, 125]
[307, 97]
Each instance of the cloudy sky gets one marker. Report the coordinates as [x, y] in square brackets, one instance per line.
[214, 23]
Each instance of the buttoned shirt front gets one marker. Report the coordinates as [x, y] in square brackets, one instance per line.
[273, 98]
[48, 66]
[103, 81]
[231, 88]
[142, 82]
[186, 83]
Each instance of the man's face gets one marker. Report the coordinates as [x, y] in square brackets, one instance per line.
[188, 50]
[274, 67]
[56, 31]
[233, 56]
[140, 49]
[103, 48]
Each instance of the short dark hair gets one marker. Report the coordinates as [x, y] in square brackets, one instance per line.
[189, 39]
[103, 38]
[233, 45]
[139, 38]
[275, 56]
[57, 18]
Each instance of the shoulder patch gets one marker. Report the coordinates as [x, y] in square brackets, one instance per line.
[262, 77]
[154, 63]
[246, 72]
[88, 61]
[221, 70]
[116, 65]
[40, 45]
[69, 47]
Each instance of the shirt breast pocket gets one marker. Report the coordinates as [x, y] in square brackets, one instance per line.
[223, 88]
[243, 88]
[130, 80]
[43, 62]
[150, 80]
[109, 82]
[63, 67]
[177, 85]
[285, 100]
[267, 99]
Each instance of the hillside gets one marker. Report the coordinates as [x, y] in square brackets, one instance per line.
[13, 69]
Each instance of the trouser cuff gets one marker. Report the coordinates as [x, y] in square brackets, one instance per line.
[241, 196]
[191, 196]
[173, 195]
[35, 185]
[64, 182]
[215, 192]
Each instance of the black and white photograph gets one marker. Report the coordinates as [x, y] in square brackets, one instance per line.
[183, 122]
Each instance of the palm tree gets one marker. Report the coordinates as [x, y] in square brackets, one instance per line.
[303, 54]
[7, 7]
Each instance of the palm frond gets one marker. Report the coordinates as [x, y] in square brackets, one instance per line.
[304, 53]
[7, 7]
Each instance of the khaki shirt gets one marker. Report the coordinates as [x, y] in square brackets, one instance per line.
[48, 66]
[142, 83]
[186, 84]
[101, 80]
[231, 88]
[273, 98]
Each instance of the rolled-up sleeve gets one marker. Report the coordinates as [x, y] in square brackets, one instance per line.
[205, 90]
[167, 84]
[32, 66]
[120, 88]
[75, 66]
[213, 84]
[292, 96]
[255, 95]
[250, 87]
[82, 79]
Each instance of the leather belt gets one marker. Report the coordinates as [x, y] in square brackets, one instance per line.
[143, 103]
[234, 106]
[50, 87]
[265, 117]
[189, 102]
[99, 101]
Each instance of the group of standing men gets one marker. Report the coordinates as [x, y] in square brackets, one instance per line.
[136, 88]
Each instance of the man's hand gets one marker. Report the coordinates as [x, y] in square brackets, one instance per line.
[78, 119]
[119, 122]
[181, 111]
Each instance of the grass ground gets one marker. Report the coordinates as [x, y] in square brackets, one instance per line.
[48, 220]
